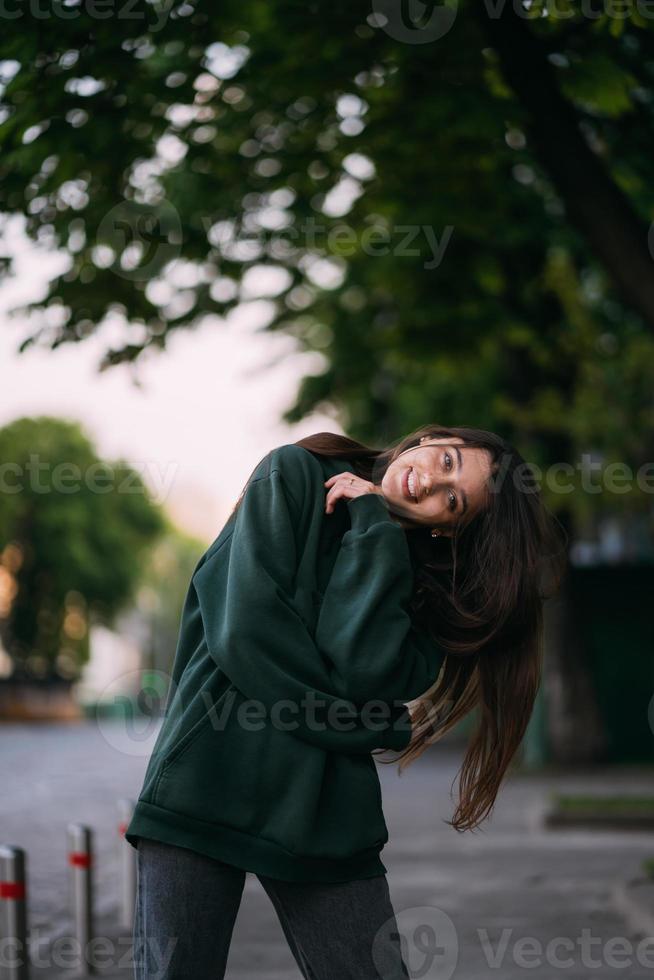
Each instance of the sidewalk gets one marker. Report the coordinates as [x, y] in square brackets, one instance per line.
[478, 905]
[512, 887]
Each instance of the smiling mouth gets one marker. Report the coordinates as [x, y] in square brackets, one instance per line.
[409, 484]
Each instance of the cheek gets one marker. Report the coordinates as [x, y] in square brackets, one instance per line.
[428, 461]
[392, 475]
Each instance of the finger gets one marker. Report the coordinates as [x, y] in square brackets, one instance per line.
[336, 493]
[337, 476]
[330, 500]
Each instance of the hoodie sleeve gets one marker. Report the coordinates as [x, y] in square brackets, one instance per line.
[256, 635]
[364, 627]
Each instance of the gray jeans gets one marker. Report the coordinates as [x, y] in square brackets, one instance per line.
[186, 906]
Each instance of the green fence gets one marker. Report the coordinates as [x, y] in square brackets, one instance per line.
[615, 605]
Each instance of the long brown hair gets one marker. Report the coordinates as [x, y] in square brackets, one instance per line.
[480, 596]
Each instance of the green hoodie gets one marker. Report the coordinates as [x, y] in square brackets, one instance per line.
[295, 658]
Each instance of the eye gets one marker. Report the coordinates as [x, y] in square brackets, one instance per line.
[449, 464]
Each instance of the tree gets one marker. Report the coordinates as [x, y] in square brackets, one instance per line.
[458, 230]
[73, 536]
[411, 212]
[164, 588]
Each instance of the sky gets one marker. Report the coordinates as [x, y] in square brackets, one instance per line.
[205, 411]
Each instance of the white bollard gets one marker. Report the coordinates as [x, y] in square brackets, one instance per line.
[80, 860]
[14, 961]
[127, 866]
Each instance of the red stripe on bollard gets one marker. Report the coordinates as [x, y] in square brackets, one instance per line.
[122, 827]
[79, 860]
[12, 889]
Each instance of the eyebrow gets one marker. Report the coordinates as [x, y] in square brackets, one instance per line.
[464, 496]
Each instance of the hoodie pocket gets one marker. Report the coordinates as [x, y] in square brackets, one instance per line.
[186, 741]
[211, 716]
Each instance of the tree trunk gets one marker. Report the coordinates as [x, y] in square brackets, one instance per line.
[576, 730]
[594, 202]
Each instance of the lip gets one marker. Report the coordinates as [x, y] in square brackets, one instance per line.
[405, 485]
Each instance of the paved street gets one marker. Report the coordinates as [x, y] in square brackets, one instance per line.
[468, 905]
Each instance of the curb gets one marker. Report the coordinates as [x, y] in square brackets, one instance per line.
[622, 820]
[634, 899]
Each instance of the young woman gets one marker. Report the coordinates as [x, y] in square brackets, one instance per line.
[356, 601]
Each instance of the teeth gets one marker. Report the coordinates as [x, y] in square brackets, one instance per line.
[412, 484]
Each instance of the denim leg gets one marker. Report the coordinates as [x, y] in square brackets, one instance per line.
[186, 906]
[341, 931]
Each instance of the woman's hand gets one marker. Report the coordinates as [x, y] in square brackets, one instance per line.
[347, 486]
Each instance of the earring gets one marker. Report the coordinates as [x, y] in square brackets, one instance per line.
[435, 532]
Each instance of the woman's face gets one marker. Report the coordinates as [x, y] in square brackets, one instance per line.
[438, 483]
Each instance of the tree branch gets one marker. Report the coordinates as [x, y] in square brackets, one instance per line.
[594, 202]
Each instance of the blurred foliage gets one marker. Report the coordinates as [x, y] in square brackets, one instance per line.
[388, 204]
[163, 590]
[74, 533]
